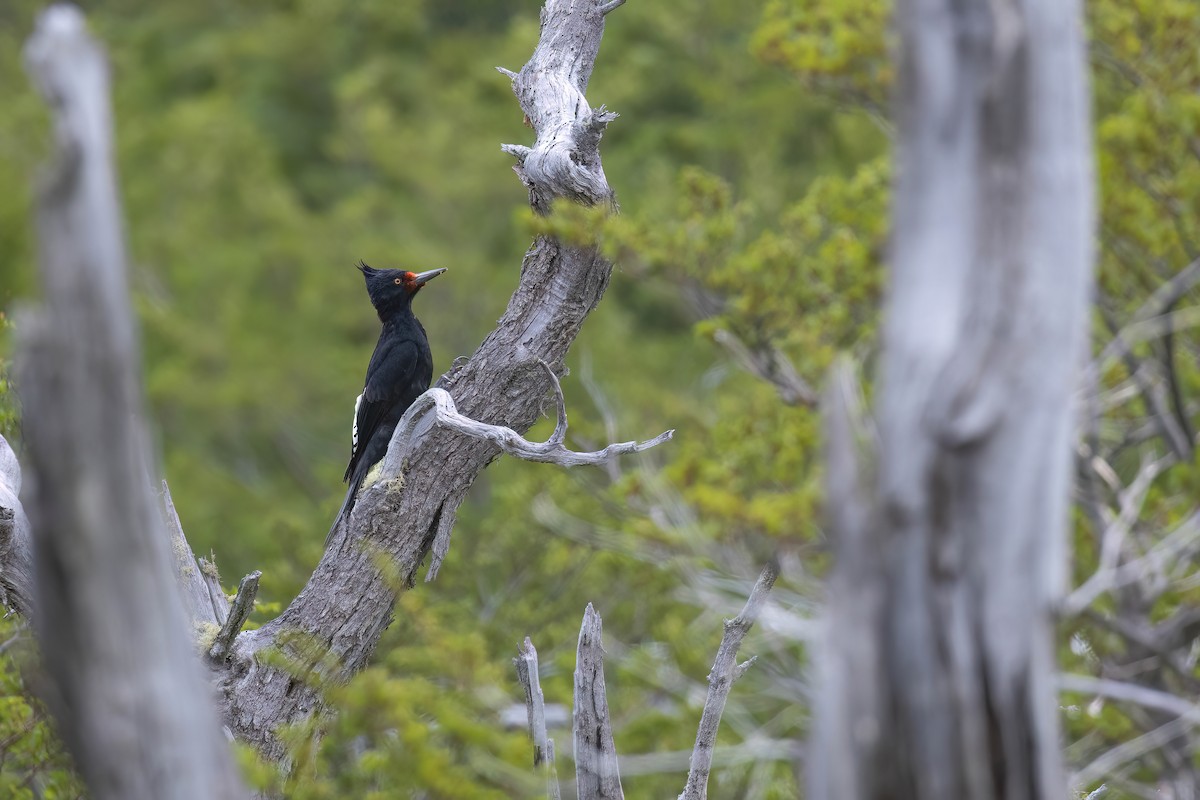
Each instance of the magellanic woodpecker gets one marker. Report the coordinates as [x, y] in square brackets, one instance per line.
[400, 371]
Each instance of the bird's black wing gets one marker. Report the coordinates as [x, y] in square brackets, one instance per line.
[389, 381]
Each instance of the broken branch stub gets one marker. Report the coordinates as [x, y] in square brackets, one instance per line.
[596, 774]
[564, 160]
[526, 663]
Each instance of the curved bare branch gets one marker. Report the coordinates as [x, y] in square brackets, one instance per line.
[551, 451]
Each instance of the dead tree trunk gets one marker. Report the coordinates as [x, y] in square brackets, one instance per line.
[937, 679]
[107, 605]
[348, 601]
[476, 412]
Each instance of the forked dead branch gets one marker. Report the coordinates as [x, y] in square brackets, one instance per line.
[597, 772]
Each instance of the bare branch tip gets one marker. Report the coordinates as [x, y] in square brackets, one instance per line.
[518, 151]
[512, 76]
[744, 667]
[591, 620]
[665, 436]
[770, 572]
[611, 5]
[603, 116]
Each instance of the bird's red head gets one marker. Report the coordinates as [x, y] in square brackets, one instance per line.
[393, 289]
[413, 281]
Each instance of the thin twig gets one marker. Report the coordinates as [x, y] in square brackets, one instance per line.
[1154, 326]
[1174, 386]
[1145, 639]
[1156, 403]
[724, 672]
[1178, 541]
[1179, 630]
[600, 401]
[560, 407]
[1130, 693]
[1169, 293]
[1131, 500]
[1088, 449]
[1187, 715]
[18, 634]
[756, 749]
[441, 538]
[1131, 750]
[771, 365]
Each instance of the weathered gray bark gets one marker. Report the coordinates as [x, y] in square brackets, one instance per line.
[597, 776]
[535, 706]
[348, 601]
[127, 687]
[938, 669]
[16, 547]
[597, 765]
[203, 598]
[331, 629]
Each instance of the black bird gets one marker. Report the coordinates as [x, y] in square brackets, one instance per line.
[400, 371]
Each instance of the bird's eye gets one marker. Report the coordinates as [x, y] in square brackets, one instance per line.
[398, 281]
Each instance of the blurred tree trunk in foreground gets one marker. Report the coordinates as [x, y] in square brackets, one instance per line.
[937, 680]
[126, 687]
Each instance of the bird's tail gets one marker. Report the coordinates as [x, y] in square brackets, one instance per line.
[347, 505]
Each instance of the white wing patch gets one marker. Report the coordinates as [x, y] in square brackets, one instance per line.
[354, 427]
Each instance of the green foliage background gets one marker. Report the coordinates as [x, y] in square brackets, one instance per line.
[266, 147]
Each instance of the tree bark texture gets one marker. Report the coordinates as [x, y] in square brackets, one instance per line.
[331, 628]
[129, 693]
[597, 776]
[16, 546]
[938, 668]
[348, 601]
[526, 663]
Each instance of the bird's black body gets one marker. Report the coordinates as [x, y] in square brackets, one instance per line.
[400, 371]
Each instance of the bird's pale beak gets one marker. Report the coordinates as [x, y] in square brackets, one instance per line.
[425, 277]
